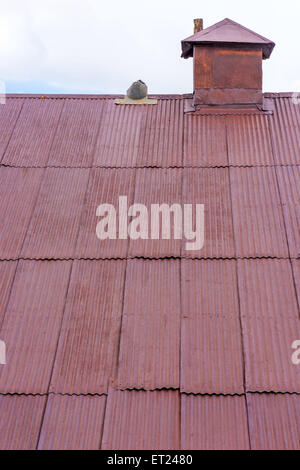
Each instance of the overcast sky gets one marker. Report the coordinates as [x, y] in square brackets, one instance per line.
[102, 46]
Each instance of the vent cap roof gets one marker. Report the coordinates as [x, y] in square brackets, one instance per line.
[226, 31]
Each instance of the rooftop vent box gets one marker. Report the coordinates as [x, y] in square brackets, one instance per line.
[227, 63]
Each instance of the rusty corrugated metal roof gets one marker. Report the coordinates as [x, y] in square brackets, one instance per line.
[214, 422]
[142, 420]
[198, 334]
[207, 321]
[31, 325]
[104, 186]
[87, 350]
[36, 123]
[154, 186]
[20, 421]
[270, 324]
[150, 336]
[19, 188]
[211, 187]
[274, 421]
[201, 148]
[72, 423]
[257, 213]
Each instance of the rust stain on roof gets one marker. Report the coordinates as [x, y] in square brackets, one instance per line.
[87, 318]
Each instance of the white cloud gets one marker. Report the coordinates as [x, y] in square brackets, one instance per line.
[102, 46]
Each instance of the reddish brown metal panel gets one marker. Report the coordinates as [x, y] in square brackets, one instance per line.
[204, 141]
[72, 423]
[274, 421]
[296, 274]
[7, 274]
[213, 66]
[258, 220]
[54, 225]
[157, 186]
[289, 188]
[270, 324]
[9, 113]
[142, 420]
[105, 186]
[227, 32]
[31, 325]
[20, 421]
[210, 186]
[150, 336]
[214, 423]
[118, 140]
[161, 136]
[33, 134]
[285, 131]
[74, 142]
[19, 188]
[141, 135]
[211, 343]
[249, 140]
[90, 333]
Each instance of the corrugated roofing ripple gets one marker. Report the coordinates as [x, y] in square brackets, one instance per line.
[202, 336]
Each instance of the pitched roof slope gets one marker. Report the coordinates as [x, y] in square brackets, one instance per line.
[141, 344]
[226, 31]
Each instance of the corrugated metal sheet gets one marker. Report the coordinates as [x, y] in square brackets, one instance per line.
[157, 186]
[285, 131]
[274, 421]
[211, 344]
[31, 325]
[90, 333]
[7, 274]
[72, 423]
[141, 135]
[19, 188]
[54, 225]
[201, 147]
[33, 134]
[249, 141]
[296, 272]
[105, 186]
[187, 323]
[210, 186]
[150, 337]
[270, 323]
[258, 220]
[9, 114]
[118, 140]
[289, 187]
[161, 138]
[142, 420]
[214, 422]
[75, 139]
[20, 421]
